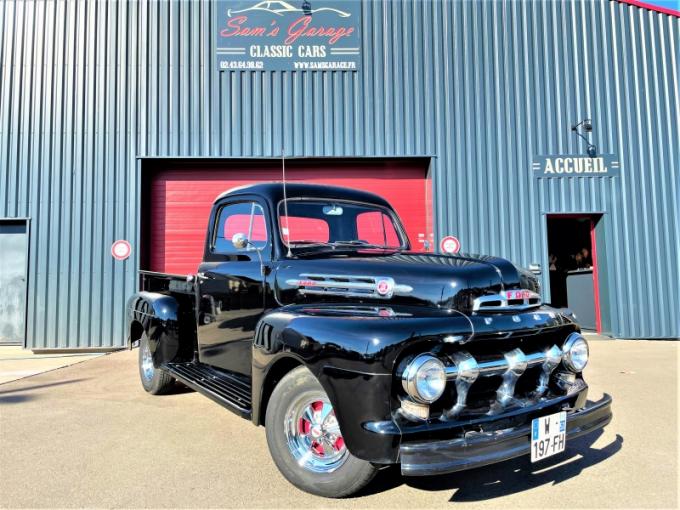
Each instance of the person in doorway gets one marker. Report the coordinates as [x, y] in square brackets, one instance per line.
[585, 258]
[578, 260]
[552, 260]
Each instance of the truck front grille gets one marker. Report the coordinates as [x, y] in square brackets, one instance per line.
[503, 373]
[495, 373]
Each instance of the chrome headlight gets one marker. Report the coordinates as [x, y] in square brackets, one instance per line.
[575, 353]
[424, 378]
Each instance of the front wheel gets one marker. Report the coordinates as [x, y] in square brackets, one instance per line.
[155, 380]
[305, 441]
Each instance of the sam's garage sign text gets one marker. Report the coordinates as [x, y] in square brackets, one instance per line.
[576, 166]
[288, 35]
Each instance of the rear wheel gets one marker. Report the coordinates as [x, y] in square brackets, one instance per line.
[305, 440]
[155, 380]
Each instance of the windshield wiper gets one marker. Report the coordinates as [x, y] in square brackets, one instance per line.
[364, 244]
[305, 243]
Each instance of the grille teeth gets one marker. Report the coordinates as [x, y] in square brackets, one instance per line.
[465, 370]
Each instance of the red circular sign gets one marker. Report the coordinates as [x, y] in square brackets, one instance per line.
[449, 244]
[121, 249]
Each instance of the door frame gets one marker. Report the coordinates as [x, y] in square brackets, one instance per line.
[27, 222]
[595, 217]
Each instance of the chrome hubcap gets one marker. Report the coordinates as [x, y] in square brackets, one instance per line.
[313, 435]
[147, 362]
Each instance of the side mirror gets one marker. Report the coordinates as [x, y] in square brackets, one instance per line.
[240, 241]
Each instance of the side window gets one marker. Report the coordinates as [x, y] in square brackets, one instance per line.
[245, 218]
[374, 227]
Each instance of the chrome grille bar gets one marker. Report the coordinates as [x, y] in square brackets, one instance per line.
[500, 366]
[506, 301]
[379, 287]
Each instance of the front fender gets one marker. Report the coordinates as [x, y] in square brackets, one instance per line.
[158, 315]
[352, 356]
[354, 351]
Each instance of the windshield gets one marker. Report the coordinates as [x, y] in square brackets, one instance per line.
[338, 223]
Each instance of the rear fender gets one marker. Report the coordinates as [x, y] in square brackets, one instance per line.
[158, 316]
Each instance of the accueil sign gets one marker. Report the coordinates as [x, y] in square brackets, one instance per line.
[569, 165]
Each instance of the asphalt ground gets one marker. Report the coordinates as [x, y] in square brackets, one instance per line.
[87, 435]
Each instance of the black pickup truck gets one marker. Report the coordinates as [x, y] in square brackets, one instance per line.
[311, 315]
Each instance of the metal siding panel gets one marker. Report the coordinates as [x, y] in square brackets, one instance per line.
[86, 87]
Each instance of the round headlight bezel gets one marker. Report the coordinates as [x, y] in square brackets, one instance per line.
[410, 377]
[574, 342]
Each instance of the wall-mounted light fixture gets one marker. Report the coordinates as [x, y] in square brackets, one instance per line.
[307, 8]
[587, 126]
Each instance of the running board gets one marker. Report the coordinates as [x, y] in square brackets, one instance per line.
[228, 390]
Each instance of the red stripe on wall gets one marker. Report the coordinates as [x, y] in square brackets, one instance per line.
[652, 7]
[596, 280]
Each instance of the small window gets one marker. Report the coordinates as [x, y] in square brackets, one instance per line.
[245, 218]
[375, 227]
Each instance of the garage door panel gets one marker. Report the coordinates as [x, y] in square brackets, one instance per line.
[181, 199]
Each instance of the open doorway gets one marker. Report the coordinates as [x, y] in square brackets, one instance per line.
[572, 264]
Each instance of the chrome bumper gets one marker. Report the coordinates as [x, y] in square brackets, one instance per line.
[483, 448]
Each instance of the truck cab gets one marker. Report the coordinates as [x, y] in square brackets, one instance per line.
[311, 314]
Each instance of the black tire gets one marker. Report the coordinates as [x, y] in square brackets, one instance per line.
[155, 380]
[347, 477]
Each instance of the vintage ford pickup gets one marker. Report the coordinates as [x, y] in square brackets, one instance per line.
[311, 315]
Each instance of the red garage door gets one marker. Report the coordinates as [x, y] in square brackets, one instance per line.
[181, 195]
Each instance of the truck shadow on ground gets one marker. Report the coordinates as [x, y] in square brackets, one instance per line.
[507, 477]
[20, 395]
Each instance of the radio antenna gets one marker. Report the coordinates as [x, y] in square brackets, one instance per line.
[285, 200]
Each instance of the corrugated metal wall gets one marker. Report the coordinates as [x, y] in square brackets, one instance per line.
[87, 87]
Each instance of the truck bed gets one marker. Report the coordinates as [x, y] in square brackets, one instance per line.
[165, 283]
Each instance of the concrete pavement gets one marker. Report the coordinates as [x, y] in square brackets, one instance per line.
[17, 362]
[88, 436]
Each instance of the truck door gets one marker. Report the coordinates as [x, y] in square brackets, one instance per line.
[230, 283]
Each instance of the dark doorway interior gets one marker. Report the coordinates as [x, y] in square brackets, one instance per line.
[573, 266]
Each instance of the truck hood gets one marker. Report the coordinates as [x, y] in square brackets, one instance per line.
[407, 278]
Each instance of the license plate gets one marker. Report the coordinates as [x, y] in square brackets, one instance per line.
[548, 436]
